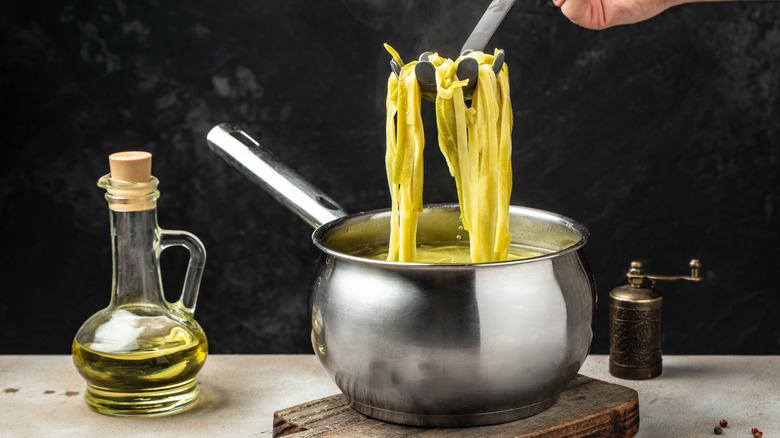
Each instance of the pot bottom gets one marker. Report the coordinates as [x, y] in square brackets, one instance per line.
[466, 420]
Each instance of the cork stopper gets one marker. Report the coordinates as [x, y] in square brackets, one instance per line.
[130, 186]
[131, 166]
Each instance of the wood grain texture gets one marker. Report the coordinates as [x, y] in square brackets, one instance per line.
[586, 408]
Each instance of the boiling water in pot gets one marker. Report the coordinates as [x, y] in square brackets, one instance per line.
[453, 253]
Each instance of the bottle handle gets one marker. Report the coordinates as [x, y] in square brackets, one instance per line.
[189, 292]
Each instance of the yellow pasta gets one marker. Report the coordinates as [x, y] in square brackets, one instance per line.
[476, 143]
[404, 162]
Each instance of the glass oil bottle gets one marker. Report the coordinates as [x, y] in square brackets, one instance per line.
[141, 354]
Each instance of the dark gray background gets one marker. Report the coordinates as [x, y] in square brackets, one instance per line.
[662, 137]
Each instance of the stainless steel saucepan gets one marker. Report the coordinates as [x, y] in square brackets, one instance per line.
[438, 345]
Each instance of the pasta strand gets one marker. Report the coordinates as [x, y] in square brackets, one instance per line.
[475, 142]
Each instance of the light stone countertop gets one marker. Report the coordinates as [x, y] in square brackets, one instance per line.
[42, 396]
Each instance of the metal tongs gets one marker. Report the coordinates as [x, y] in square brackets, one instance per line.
[468, 68]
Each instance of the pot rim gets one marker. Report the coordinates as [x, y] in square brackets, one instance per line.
[321, 231]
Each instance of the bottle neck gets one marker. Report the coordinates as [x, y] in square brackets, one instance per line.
[135, 244]
[135, 241]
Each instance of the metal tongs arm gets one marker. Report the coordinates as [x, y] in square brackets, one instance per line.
[487, 26]
[468, 68]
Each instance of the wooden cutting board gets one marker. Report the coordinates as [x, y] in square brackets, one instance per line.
[586, 408]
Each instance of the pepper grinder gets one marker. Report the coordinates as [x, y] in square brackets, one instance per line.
[635, 323]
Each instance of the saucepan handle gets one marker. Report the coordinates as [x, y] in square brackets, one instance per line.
[258, 164]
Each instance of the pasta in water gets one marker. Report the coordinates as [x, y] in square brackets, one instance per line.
[476, 143]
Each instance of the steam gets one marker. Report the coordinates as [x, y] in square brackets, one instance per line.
[416, 26]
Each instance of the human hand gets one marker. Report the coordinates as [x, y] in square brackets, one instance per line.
[601, 14]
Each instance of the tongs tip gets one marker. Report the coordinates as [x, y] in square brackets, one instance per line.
[468, 68]
[395, 68]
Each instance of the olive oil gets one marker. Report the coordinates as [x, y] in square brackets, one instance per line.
[448, 253]
[146, 365]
